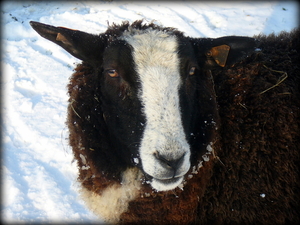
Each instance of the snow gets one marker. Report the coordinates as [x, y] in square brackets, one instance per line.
[262, 195]
[38, 174]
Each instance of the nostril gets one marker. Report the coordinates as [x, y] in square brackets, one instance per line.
[169, 163]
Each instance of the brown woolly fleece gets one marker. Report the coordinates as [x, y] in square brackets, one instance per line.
[259, 106]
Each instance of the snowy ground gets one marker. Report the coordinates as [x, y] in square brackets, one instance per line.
[38, 175]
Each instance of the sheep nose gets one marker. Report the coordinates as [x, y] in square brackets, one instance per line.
[170, 164]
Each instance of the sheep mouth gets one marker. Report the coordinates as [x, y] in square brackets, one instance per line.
[165, 184]
[168, 181]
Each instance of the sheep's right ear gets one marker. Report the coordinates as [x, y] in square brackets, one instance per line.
[84, 46]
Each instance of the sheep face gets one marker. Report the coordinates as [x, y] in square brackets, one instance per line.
[147, 76]
[156, 93]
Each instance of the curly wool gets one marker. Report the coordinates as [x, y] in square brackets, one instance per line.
[258, 180]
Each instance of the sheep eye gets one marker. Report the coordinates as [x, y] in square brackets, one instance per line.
[192, 71]
[112, 73]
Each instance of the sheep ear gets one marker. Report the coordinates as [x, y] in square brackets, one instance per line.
[224, 51]
[81, 45]
[231, 49]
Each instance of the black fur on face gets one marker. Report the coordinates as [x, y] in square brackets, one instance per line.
[121, 107]
[197, 99]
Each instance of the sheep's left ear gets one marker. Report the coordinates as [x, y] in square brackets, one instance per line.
[224, 51]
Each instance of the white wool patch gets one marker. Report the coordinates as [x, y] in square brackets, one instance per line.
[157, 64]
[114, 200]
[82, 158]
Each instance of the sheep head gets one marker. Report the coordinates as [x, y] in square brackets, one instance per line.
[156, 93]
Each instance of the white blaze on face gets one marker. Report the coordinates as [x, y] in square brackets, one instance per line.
[157, 64]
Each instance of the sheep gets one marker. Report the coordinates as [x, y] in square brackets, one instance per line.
[169, 129]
